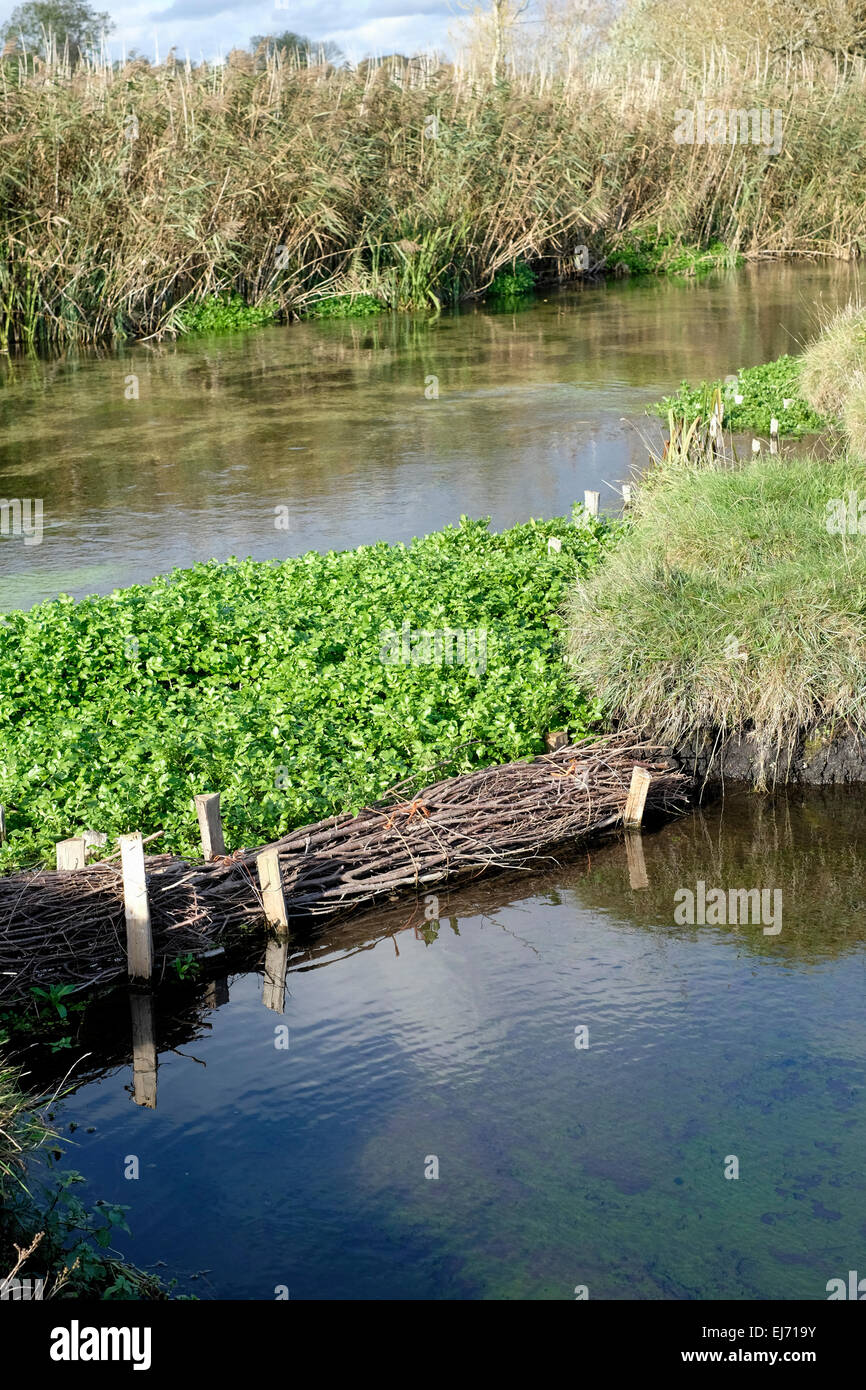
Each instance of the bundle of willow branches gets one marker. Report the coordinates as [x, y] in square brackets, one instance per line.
[69, 927]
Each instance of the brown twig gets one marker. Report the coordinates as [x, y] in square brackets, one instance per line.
[69, 927]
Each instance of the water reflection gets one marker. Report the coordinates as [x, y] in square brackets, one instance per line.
[637, 874]
[807, 845]
[331, 420]
[456, 1037]
[144, 1063]
[274, 974]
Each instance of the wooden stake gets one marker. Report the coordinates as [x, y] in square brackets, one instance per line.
[774, 436]
[143, 1051]
[590, 502]
[556, 739]
[273, 898]
[210, 824]
[637, 874]
[634, 806]
[139, 939]
[626, 494]
[2, 824]
[71, 854]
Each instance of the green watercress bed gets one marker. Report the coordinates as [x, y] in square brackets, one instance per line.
[264, 681]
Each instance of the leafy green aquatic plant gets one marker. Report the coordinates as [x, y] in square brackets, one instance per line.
[653, 255]
[186, 967]
[223, 313]
[517, 280]
[769, 391]
[345, 306]
[69, 1243]
[284, 685]
[54, 995]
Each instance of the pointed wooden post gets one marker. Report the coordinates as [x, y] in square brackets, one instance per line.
[210, 824]
[636, 800]
[626, 494]
[2, 824]
[774, 436]
[139, 940]
[273, 898]
[590, 502]
[71, 854]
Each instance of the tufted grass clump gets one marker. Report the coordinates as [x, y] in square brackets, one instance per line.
[735, 602]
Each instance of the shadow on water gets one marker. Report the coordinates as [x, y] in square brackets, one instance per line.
[807, 845]
[285, 1118]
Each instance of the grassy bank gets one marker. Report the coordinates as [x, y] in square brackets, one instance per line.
[296, 689]
[737, 601]
[46, 1230]
[834, 373]
[130, 197]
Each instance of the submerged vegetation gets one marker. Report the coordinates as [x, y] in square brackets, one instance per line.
[297, 689]
[137, 199]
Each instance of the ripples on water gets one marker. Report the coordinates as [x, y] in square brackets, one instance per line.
[331, 420]
[557, 1166]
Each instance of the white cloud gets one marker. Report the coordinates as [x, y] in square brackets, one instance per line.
[211, 28]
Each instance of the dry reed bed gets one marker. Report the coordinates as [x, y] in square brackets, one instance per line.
[69, 928]
[125, 192]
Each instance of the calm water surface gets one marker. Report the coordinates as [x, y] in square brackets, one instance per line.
[558, 1167]
[409, 1040]
[331, 421]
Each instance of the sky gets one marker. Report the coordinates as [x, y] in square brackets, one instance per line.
[211, 28]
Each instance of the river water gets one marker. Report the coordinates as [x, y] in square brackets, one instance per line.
[291, 1138]
[331, 421]
[288, 1150]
